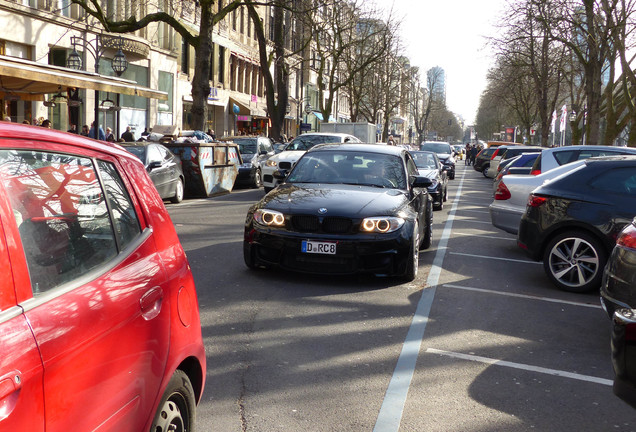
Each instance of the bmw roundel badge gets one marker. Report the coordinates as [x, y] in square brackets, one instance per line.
[322, 210]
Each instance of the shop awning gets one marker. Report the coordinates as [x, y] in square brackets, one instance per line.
[244, 109]
[318, 115]
[28, 80]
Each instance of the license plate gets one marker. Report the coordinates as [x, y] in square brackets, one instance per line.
[318, 247]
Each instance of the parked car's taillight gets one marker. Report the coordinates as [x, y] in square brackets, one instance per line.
[627, 237]
[536, 200]
[502, 192]
[535, 172]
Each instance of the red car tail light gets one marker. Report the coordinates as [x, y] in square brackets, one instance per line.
[536, 200]
[627, 237]
[502, 192]
[535, 172]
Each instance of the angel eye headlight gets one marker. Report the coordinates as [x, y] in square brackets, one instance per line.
[269, 218]
[271, 163]
[381, 224]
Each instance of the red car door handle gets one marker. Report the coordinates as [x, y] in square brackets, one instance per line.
[150, 303]
[10, 385]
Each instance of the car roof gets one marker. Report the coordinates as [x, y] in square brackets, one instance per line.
[340, 134]
[20, 131]
[591, 147]
[359, 148]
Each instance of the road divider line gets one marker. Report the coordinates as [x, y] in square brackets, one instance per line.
[392, 408]
[524, 296]
[474, 211]
[496, 258]
[546, 371]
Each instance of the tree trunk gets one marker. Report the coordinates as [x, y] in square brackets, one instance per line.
[201, 78]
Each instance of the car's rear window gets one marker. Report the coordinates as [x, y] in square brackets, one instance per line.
[566, 156]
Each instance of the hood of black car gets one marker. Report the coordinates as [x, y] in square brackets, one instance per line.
[335, 200]
[430, 173]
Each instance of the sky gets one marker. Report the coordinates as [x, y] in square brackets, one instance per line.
[451, 34]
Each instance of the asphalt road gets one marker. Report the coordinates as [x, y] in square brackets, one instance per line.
[480, 341]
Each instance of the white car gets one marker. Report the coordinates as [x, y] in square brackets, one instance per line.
[512, 194]
[556, 156]
[295, 149]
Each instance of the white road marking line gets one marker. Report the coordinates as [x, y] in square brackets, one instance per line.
[474, 211]
[496, 258]
[521, 366]
[392, 408]
[485, 236]
[473, 221]
[524, 296]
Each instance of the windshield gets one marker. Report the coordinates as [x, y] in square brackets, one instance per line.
[246, 145]
[139, 151]
[345, 167]
[436, 147]
[425, 160]
[308, 141]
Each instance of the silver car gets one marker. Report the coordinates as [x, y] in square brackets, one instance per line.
[512, 194]
[553, 157]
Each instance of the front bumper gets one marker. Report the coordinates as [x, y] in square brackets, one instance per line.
[365, 253]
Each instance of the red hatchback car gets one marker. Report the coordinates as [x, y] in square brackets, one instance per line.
[99, 320]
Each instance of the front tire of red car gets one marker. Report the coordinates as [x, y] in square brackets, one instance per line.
[177, 408]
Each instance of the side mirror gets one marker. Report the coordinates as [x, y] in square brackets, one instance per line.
[420, 181]
[280, 174]
[153, 165]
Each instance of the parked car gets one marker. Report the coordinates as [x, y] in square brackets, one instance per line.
[482, 160]
[254, 152]
[163, 166]
[444, 153]
[521, 164]
[571, 223]
[100, 326]
[553, 157]
[507, 154]
[623, 350]
[428, 165]
[618, 289]
[511, 196]
[343, 209]
[295, 149]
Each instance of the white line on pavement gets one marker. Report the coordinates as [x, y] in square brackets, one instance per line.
[529, 368]
[485, 236]
[525, 296]
[496, 258]
[473, 211]
[392, 408]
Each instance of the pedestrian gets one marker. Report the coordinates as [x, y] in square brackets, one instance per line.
[145, 133]
[46, 124]
[110, 136]
[473, 154]
[85, 131]
[101, 135]
[390, 141]
[72, 129]
[128, 135]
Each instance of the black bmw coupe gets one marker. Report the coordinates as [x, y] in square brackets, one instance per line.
[344, 209]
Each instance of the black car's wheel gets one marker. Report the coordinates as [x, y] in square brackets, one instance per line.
[574, 261]
[440, 204]
[452, 175]
[177, 408]
[427, 238]
[178, 192]
[445, 194]
[485, 170]
[257, 179]
[413, 261]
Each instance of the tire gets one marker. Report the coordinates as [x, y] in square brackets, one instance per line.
[452, 175]
[177, 408]
[445, 194]
[485, 171]
[257, 179]
[178, 192]
[440, 205]
[413, 261]
[427, 238]
[574, 261]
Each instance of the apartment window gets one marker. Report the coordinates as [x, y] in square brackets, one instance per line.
[271, 23]
[221, 64]
[242, 21]
[234, 20]
[185, 57]
[166, 84]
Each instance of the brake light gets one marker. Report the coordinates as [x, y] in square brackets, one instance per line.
[627, 237]
[502, 192]
[536, 200]
[494, 154]
[535, 172]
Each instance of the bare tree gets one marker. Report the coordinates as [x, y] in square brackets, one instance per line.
[209, 14]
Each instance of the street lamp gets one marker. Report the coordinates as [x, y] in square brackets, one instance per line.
[96, 48]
